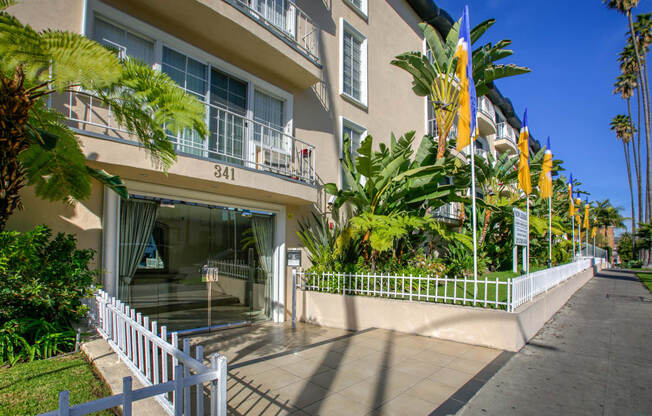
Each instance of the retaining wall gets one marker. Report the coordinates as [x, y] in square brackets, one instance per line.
[473, 325]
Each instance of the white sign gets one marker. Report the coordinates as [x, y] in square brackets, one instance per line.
[520, 228]
[294, 258]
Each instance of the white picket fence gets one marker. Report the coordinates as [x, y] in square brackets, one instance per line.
[526, 287]
[484, 292]
[167, 371]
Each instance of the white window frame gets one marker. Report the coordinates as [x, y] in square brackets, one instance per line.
[363, 10]
[161, 38]
[345, 122]
[347, 27]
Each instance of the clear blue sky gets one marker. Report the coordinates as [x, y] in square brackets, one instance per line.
[571, 47]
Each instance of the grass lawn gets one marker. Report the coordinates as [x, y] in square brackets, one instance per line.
[33, 388]
[646, 278]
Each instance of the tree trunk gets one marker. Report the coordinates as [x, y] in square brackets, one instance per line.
[441, 145]
[485, 227]
[15, 105]
[646, 115]
[631, 191]
[638, 155]
[636, 167]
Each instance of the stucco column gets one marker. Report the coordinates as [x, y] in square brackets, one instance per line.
[110, 238]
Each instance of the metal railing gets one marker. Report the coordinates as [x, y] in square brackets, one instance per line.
[154, 357]
[233, 138]
[238, 269]
[484, 292]
[526, 287]
[448, 211]
[505, 132]
[287, 19]
[487, 108]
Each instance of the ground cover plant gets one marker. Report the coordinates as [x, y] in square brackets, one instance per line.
[33, 388]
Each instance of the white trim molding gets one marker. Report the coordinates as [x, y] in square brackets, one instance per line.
[346, 27]
[362, 11]
[345, 122]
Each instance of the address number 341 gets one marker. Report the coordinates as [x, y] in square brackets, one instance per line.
[224, 172]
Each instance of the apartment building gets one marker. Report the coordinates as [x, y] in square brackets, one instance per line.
[204, 244]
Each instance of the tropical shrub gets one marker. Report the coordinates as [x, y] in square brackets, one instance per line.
[43, 281]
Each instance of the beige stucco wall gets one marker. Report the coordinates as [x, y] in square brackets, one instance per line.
[479, 326]
[391, 29]
[81, 218]
[50, 14]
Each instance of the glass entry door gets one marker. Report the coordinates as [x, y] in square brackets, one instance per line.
[197, 266]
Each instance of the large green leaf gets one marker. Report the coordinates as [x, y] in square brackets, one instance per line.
[111, 181]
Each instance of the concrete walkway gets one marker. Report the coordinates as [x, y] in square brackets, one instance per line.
[324, 371]
[593, 358]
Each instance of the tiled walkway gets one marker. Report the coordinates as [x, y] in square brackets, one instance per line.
[315, 370]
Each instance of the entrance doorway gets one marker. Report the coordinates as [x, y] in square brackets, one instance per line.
[191, 266]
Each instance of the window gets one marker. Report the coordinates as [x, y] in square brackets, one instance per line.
[126, 43]
[356, 134]
[272, 146]
[360, 6]
[353, 65]
[192, 76]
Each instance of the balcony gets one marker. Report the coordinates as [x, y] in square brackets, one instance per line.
[486, 116]
[449, 213]
[288, 20]
[505, 139]
[272, 39]
[233, 139]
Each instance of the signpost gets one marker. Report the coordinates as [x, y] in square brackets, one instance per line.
[294, 260]
[520, 237]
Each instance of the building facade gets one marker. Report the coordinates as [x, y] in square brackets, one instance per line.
[203, 245]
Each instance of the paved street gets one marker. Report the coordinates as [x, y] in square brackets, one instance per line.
[593, 358]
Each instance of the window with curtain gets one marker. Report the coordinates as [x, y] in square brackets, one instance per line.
[192, 76]
[227, 128]
[268, 114]
[128, 44]
[352, 65]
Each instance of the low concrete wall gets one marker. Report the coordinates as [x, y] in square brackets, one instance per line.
[472, 325]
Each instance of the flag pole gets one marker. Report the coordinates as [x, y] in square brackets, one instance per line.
[473, 210]
[550, 231]
[573, 221]
[527, 202]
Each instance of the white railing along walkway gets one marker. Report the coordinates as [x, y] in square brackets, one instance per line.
[156, 362]
[485, 292]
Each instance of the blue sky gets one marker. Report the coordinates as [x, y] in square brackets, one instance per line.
[571, 47]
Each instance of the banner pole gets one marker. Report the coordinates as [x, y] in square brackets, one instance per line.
[473, 209]
[528, 232]
[573, 222]
[550, 231]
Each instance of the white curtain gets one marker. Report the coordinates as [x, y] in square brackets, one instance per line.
[263, 228]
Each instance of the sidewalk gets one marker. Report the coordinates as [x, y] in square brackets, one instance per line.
[593, 358]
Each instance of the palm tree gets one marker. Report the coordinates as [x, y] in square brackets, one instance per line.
[37, 147]
[625, 85]
[622, 125]
[625, 7]
[435, 77]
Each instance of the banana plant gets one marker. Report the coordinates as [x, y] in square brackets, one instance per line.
[434, 76]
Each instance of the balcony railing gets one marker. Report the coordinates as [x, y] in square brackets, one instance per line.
[285, 18]
[505, 132]
[233, 139]
[487, 108]
[448, 212]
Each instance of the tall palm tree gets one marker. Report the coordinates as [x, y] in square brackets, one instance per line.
[625, 85]
[629, 69]
[37, 147]
[622, 125]
[625, 7]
